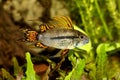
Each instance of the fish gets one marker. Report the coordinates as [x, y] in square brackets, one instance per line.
[63, 38]
[57, 33]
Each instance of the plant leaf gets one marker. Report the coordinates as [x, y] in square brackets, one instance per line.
[30, 73]
[17, 68]
[77, 70]
[6, 75]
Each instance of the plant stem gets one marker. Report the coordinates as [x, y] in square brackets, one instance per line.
[103, 21]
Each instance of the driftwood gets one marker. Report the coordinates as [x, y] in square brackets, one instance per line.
[11, 36]
[10, 45]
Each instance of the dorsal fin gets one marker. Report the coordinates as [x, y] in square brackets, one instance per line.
[58, 23]
[62, 22]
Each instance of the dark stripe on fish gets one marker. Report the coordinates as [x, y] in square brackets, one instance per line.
[64, 37]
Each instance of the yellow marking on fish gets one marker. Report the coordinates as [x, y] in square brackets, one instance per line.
[63, 22]
[38, 44]
[43, 28]
[57, 22]
[31, 36]
[68, 21]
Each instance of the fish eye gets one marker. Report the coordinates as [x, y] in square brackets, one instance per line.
[81, 36]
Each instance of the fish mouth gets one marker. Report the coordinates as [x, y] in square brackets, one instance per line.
[83, 42]
[86, 41]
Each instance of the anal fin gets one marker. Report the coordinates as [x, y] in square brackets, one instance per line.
[39, 44]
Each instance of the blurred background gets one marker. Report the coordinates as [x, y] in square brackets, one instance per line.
[99, 19]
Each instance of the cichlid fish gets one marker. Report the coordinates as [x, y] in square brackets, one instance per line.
[63, 38]
[58, 33]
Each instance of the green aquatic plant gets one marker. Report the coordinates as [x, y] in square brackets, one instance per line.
[30, 73]
[101, 20]
[7, 75]
[78, 67]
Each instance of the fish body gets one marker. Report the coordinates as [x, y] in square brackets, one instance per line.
[63, 38]
[58, 33]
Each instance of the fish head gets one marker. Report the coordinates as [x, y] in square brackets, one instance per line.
[81, 40]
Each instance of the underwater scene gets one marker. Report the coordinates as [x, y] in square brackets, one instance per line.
[59, 39]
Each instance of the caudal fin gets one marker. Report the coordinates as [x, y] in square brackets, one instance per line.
[30, 36]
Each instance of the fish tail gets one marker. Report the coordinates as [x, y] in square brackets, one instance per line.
[30, 35]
